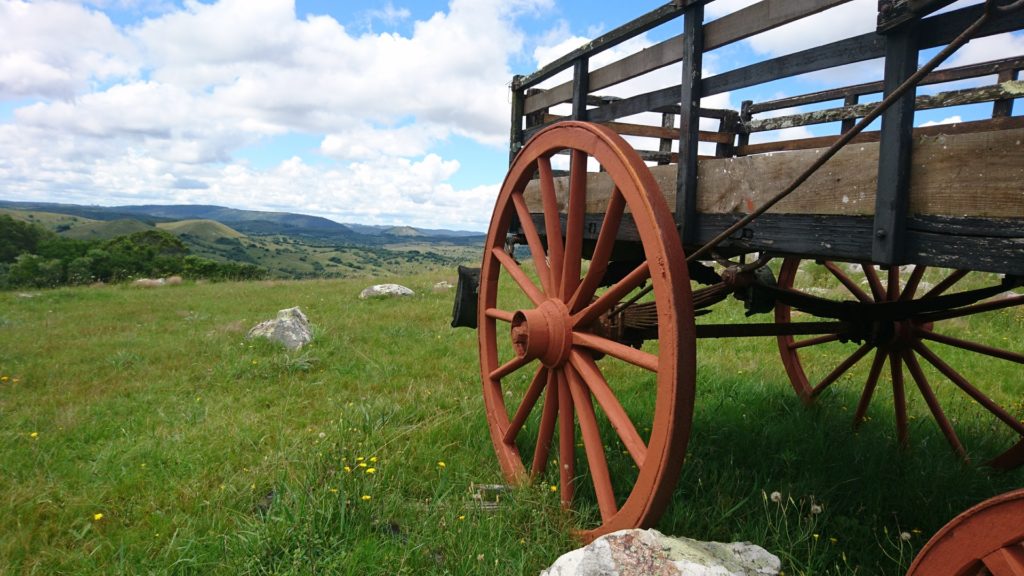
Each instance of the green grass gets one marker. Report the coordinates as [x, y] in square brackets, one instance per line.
[206, 453]
[209, 230]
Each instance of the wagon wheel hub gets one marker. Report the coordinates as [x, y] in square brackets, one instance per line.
[906, 333]
[544, 332]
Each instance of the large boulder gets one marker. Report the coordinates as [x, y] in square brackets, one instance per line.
[290, 328]
[386, 290]
[644, 552]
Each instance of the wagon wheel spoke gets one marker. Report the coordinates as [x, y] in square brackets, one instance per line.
[899, 398]
[566, 441]
[973, 346]
[913, 282]
[533, 241]
[933, 403]
[620, 420]
[509, 367]
[965, 311]
[846, 281]
[602, 251]
[815, 341]
[841, 369]
[869, 387]
[593, 446]
[962, 383]
[877, 291]
[616, 350]
[552, 222]
[611, 297]
[1007, 561]
[537, 386]
[499, 314]
[547, 426]
[946, 283]
[893, 284]
[520, 277]
[572, 264]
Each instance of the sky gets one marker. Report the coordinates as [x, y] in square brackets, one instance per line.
[373, 112]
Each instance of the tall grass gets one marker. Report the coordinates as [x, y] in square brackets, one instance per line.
[141, 433]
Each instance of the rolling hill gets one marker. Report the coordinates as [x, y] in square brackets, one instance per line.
[209, 230]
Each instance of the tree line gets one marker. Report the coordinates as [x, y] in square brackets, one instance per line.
[33, 257]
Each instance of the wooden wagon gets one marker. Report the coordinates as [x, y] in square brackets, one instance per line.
[871, 244]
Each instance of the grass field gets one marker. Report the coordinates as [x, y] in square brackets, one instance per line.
[141, 433]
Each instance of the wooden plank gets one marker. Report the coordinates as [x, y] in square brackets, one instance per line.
[936, 77]
[647, 131]
[730, 28]
[605, 41]
[1002, 123]
[580, 88]
[1003, 91]
[976, 175]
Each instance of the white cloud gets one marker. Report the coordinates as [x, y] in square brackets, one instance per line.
[950, 120]
[52, 49]
[154, 112]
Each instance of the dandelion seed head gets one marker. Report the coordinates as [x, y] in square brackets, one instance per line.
[815, 509]
[776, 496]
[905, 536]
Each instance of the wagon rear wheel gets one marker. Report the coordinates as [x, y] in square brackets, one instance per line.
[545, 357]
[963, 360]
[986, 540]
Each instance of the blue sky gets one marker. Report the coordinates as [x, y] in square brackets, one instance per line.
[360, 111]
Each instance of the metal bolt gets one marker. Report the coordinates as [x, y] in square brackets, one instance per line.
[880, 233]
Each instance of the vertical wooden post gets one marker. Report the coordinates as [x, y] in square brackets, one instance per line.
[1004, 108]
[891, 203]
[849, 123]
[515, 137]
[668, 121]
[580, 88]
[730, 122]
[689, 122]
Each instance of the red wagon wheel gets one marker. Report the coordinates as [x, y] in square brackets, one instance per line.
[540, 336]
[986, 540]
[920, 351]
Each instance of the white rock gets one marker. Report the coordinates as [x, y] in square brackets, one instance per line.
[386, 290]
[643, 552]
[443, 286]
[290, 328]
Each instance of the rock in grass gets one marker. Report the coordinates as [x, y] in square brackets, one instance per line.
[389, 290]
[290, 328]
[642, 552]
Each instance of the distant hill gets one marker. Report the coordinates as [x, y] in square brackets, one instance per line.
[249, 222]
[104, 230]
[403, 231]
[208, 230]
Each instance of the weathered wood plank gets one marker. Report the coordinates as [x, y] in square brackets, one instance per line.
[730, 28]
[1002, 91]
[975, 175]
[1002, 123]
[936, 77]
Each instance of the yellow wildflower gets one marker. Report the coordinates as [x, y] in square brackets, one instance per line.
[462, 516]
[333, 490]
[34, 435]
[371, 470]
[362, 464]
[347, 469]
[360, 459]
[365, 497]
[441, 464]
[97, 516]
[3, 378]
[554, 488]
[373, 458]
